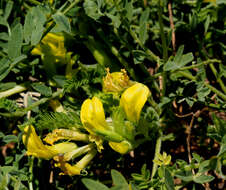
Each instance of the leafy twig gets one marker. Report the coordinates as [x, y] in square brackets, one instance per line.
[157, 151]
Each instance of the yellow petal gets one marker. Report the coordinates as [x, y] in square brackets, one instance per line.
[133, 100]
[122, 147]
[34, 144]
[92, 115]
[68, 169]
[52, 45]
[36, 148]
[37, 50]
[78, 167]
[74, 153]
[63, 147]
[98, 110]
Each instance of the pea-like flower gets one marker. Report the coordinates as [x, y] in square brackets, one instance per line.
[52, 46]
[119, 133]
[76, 169]
[116, 81]
[92, 115]
[36, 148]
[133, 100]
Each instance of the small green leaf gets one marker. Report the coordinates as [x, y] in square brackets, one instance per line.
[4, 36]
[93, 185]
[10, 138]
[7, 85]
[204, 166]
[179, 54]
[15, 41]
[202, 178]
[28, 26]
[168, 180]
[91, 9]
[222, 150]
[3, 21]
[179, 60]
[115, 20]
[8, 9]
[43, 89]
[118, 178]
[62, 22]
[207, 23]
[143, 34]
[129, 10]
[6, 66]
[34, 25]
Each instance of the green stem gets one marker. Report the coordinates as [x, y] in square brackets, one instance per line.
[41, 101]
[219, 93]
[31, 173]
[16, 89]
[157, 152]
[218, 78]
[164, 46]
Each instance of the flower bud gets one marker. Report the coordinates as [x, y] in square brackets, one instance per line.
[133, 100]
[122, 147]
[92, 115]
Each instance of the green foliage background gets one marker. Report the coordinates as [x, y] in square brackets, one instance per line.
[135, 35]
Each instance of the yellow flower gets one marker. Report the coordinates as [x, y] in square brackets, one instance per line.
[52, 45]
[162, 159]
[92, 115]
[78, 167]
[133, 100]
[116, 81]
[51, 2]
[122, 147]
[36, 148]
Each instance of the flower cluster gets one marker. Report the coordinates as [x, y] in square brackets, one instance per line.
[119, 134]
[118, 130]
[51, 46]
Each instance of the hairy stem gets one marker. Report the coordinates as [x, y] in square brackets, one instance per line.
[212, 67]
[16, 89]
[157, 152]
